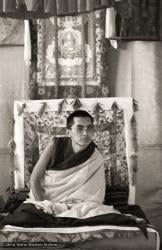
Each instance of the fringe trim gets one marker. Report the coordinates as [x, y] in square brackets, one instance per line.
[77, 104]
[97, 108]
[42, 108]
[134, 158]
[134, 132]
[20, 109]
[135, 105]
[114, 106]
[12, 146]
[61, 104]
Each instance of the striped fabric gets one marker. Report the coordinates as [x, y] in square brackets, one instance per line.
[117, 196]
[44, 8]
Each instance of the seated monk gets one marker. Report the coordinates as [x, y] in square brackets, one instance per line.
[69, 179]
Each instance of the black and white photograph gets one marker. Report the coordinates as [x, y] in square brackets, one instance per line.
[81, 124]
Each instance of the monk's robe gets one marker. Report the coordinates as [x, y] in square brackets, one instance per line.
[74, 183]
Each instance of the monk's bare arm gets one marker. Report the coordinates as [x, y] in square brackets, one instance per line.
[39, 171]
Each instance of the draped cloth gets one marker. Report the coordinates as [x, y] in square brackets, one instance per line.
[139, 20]
[26, 9]
[76, 192]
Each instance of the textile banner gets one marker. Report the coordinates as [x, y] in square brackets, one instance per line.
[69, 58]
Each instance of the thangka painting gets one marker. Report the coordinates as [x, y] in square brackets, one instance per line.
[69, 57]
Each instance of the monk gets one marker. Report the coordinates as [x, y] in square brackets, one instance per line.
[69, 179]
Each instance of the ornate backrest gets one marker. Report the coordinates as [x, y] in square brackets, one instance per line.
[36, 122]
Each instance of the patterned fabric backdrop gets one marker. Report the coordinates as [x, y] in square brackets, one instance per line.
[109, 137]
[69, 59]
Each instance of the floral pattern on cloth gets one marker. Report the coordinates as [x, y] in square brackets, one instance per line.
[7, 236]
[77, 240]
[109, 136]
[69, 59]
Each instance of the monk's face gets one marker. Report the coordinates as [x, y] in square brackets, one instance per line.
[81, 133]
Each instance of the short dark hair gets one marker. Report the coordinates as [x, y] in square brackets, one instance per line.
[77, 113]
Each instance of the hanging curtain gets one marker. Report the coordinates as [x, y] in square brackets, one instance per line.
[69, 57]
[26, 9]
[139, 20]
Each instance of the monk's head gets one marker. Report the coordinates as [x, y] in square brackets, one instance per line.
[81, 129]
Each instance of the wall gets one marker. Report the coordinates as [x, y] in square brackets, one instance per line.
[135, 70]
[13, 79]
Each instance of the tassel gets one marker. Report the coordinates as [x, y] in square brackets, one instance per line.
[97, 108]
[20, 109]
[134, 164]
[114, 106]
[11, 145]
[42, 108]
[61, 104]
[77, 104]
[134, 169]
[135, 105]
[134, 132]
